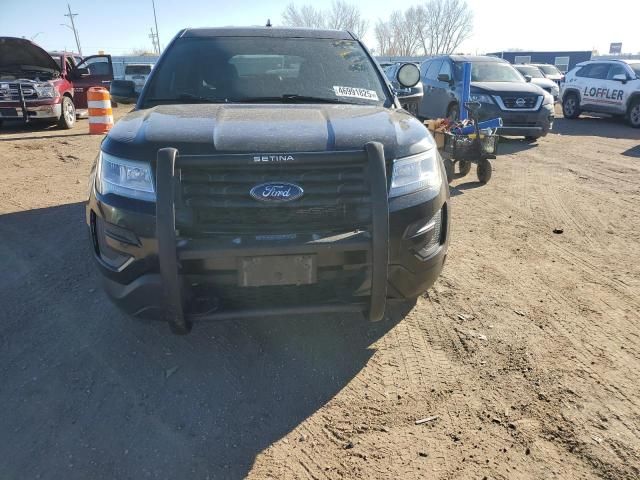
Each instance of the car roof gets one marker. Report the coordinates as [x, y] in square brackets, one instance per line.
[62, 52]
[276, 32]
[604, 60]
[475, 58]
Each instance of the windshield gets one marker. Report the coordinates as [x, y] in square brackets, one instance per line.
[533, 72]
[636, 68]
[137, 70]
[491, 72]
[549, 70]
[251, 69]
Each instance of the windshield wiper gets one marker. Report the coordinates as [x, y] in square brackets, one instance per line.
[186, 98]
[291, 98]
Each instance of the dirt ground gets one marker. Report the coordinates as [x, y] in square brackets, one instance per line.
[526, 351]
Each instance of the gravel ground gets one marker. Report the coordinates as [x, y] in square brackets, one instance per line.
[526, 350]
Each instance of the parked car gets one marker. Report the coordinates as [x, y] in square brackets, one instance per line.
[550, 71]
[410, 98]
[137, 73]
[603, 86]
[526, 110]
[48, 89]
[533, 74]
[235, 192]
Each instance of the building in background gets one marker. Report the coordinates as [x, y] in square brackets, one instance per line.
[564, 61]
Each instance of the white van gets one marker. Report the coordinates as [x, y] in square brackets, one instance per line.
[137, 73]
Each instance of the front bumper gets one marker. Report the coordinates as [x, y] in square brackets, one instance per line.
[35, 110]
[150, 270]
[526, 123]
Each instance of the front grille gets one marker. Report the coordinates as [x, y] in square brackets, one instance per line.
[519, 101]
[9, 92]
[230, 297]
[217, 200]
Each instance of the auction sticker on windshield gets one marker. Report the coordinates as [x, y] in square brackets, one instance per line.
[355, 93]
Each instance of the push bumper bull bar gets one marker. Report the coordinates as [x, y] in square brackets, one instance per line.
[169, 163]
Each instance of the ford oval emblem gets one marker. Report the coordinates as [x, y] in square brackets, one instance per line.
[276, 192]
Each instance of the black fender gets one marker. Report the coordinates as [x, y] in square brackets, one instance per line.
[632, 97]
[572, 90]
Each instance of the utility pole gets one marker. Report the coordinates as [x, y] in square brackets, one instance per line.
[155, 19]
[73, 27]
[154, 41]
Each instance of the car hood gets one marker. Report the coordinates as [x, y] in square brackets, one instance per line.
[19, 53]
[275, 128]
[504, 87]
[544, 82]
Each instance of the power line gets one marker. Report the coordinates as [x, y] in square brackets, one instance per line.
[73, 27]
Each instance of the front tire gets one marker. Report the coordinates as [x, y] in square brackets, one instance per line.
[448, 168]
[571, 106]
[68, 116]
[633, 116]
[484, 171]
[464, 167]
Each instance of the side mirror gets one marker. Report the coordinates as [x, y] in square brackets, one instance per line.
[528, 78]
[408, 75]
[123, 91]
[473, 107]
[620, 77]
[444, 77]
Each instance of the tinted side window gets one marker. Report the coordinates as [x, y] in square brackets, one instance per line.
[423, 69]
[583, 71]
[445, 69]
[594, 70]
[434, 68]
[616, 70]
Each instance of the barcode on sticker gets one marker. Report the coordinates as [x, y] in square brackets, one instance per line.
[355, 93]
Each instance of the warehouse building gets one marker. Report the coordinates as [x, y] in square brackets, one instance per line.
[564, 61]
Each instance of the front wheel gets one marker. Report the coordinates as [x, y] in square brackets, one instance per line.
[634, 113]
[448, 168]
[68, 115]
[464, 167]
[484, 171]
[571, 106]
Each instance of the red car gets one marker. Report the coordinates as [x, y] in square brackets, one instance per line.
[47, 88]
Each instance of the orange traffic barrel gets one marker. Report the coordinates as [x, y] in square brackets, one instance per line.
[100, 113]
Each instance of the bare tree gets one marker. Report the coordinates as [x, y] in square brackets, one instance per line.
[307, 16]
[435, 28]
[398, 36]
[346, 16]
[140, 52]
[341, 16]
[447, 23]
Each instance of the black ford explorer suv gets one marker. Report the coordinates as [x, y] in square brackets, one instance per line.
[526, 109]
[266, 171]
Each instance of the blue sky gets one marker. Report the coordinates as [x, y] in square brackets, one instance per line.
[117, 26]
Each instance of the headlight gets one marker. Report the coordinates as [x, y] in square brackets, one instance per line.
[417, 172]
[45, 90]
[480, 97]
[548, 99]
[128, 178]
